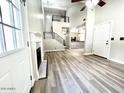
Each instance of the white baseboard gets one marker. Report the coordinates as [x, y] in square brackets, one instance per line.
[116, 61]
[54, 50]
[86, 54]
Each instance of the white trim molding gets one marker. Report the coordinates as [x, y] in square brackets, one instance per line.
[116, 61]
[54, 50]
[86, 54]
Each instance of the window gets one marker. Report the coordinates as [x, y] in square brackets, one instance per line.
[9, 38]
[11, 35]
[1, 45]
[6, 9]
[19, 39]
[17, 18]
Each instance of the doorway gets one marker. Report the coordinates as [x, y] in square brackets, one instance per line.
[102, 39]
[66, 32]
[78, 37]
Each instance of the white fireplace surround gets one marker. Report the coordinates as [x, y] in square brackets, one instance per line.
[36, 42]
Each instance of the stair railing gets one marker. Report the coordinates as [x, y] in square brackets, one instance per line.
[53, 35]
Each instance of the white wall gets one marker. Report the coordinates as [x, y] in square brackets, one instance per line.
[57, 27]
[113, 10]
[76, 16]
[35, 15]
[90, 19]
[48, 22]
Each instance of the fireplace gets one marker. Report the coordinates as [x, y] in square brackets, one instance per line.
[38, 51]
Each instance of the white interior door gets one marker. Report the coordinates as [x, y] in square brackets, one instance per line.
[102, 36]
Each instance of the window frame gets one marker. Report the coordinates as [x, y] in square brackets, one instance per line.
[14, 28]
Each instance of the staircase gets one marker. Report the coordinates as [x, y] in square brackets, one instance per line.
[53, 42]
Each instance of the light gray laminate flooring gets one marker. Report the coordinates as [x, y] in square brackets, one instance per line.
[72, 72]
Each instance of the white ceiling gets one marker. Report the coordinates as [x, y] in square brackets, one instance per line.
[58, 4]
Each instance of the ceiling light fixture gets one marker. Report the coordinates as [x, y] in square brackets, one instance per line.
[89, 4]
[95, 2]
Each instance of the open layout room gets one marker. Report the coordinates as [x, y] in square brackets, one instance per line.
[61, 46]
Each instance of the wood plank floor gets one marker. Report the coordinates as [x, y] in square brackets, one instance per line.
[71, 72]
